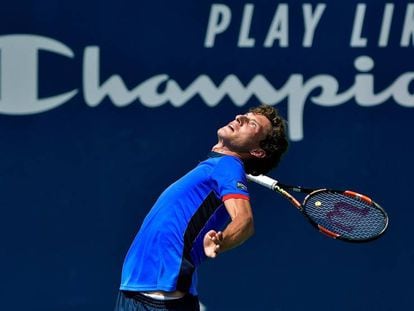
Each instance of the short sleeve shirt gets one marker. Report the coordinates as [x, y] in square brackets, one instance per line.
[169, 245]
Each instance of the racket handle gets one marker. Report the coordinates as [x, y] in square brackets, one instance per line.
[263, 180]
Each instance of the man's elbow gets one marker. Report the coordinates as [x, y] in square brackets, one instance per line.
[250, 227]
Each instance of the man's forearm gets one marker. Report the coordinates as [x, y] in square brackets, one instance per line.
[237, 232]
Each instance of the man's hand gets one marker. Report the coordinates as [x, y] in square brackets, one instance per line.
[212, 243]
[237, 231]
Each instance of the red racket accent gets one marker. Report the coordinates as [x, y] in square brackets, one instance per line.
[358, 196]
[328, 232]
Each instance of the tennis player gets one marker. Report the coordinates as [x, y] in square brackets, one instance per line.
[201, 215]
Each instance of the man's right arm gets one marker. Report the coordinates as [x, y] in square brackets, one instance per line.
[238, 231]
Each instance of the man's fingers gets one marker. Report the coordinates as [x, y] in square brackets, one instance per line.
[212, 235]
[212, 248]
[216, 237]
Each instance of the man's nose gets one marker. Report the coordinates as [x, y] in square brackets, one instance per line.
[241, 118]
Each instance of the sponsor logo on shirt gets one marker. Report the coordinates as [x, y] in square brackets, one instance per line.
[241, 186]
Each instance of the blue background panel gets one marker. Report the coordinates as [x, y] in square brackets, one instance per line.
[145, 97]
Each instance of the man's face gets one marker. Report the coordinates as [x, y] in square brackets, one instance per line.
[245, 132]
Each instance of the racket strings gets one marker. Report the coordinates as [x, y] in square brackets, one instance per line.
[347, 216]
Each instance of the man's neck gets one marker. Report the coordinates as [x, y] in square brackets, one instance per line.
[224, 150]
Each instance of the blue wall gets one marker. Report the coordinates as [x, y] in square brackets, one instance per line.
[103, 104]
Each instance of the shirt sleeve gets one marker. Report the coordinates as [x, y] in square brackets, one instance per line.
[230, 178]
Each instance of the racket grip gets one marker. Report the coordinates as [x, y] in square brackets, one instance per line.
[263, 180]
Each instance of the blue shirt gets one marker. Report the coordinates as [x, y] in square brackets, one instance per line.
[169, 245]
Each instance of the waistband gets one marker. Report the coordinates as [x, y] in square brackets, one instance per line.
[170, 303]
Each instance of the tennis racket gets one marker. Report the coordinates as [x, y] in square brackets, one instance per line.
[343, 215]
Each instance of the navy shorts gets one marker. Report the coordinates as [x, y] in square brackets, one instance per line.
[135, 301]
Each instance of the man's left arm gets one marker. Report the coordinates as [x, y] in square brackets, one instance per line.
[239, 229]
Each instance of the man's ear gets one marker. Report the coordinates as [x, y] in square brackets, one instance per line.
[258, 153]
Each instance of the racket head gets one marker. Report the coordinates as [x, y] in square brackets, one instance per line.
[345, 215]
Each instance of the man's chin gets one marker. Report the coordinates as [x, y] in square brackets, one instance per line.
[221, 132]
[225, 130]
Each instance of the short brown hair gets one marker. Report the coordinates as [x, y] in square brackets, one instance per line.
[275, 144]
